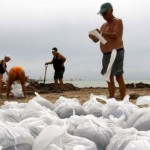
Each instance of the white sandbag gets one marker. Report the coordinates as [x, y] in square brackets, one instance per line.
[79, 147]
[17, 90]
[100, 97]
[9, 115]
[33, 109]
[48, 118]
[124, 137]
[54, 147]
[138, 145]
[94, 107]
[118, 108]
[14, 137]
[71, 123]
[100, 131]
[68, 107]
[136, 115]
[57, 135]
[34, 125]
[74, 121]
[8, 104]
[143, 122]
[62, 99]
[143, 100]
[119, 121]
[14, 107]
[42, 101]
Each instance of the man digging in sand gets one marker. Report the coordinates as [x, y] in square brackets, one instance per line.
[58, 64]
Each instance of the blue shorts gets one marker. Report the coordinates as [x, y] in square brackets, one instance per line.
[117, 68]
[58, 74]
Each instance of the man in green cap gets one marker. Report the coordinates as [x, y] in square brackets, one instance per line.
[112, 31]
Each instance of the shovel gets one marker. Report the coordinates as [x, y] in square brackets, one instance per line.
[45, 73]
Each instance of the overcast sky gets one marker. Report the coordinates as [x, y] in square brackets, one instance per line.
[30, 28]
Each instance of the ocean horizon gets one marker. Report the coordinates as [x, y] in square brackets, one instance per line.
[97, 83]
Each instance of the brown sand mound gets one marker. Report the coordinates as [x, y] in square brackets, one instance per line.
[46, 88]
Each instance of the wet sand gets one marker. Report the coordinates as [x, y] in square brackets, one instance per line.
[82, 94]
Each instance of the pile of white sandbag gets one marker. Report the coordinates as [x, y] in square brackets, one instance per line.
[68, 125]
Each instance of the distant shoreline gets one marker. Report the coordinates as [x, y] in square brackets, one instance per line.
[96, 83]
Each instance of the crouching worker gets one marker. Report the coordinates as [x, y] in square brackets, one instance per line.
[16, 74]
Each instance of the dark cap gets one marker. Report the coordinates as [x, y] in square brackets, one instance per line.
[54, 49]
[105, 7]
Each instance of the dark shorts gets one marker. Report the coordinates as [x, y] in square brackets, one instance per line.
[58, 74]
[117, 68]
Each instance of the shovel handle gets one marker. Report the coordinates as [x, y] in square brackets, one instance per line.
[45, 73]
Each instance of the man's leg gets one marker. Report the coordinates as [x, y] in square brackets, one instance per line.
[111, 87]
[55, 81]
[1, 83]
[23, 88]
[61, 84]
[122, 87]
[22, 79]
[11, 78]
[9, 83]
[61, 80]
[56, 84]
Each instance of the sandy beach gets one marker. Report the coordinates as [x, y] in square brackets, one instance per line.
[82, 94]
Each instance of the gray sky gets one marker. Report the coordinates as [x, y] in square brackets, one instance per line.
[30, 28]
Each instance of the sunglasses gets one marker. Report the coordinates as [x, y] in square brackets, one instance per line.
[103, 14]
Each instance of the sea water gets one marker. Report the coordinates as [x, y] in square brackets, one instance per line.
[98, 83]
[102, 83]
[91, 83]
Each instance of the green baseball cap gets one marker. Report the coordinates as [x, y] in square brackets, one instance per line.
[105, 7]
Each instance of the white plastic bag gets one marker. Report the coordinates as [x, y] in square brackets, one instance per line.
[126, 138]
[42, 101]
[14, 137]
[138, 145]
[33, 109]
[93, 107]
[9, 116]
[143, 100]
[79, 147]
[17, 90]
[143, 122]
[54, 147]
[66, 107]
[98, 130]
[118, 109]
[136, 115]
[34, 125]
[110, 65]
[58, 136]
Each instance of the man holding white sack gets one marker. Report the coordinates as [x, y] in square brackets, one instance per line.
[111, 31]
